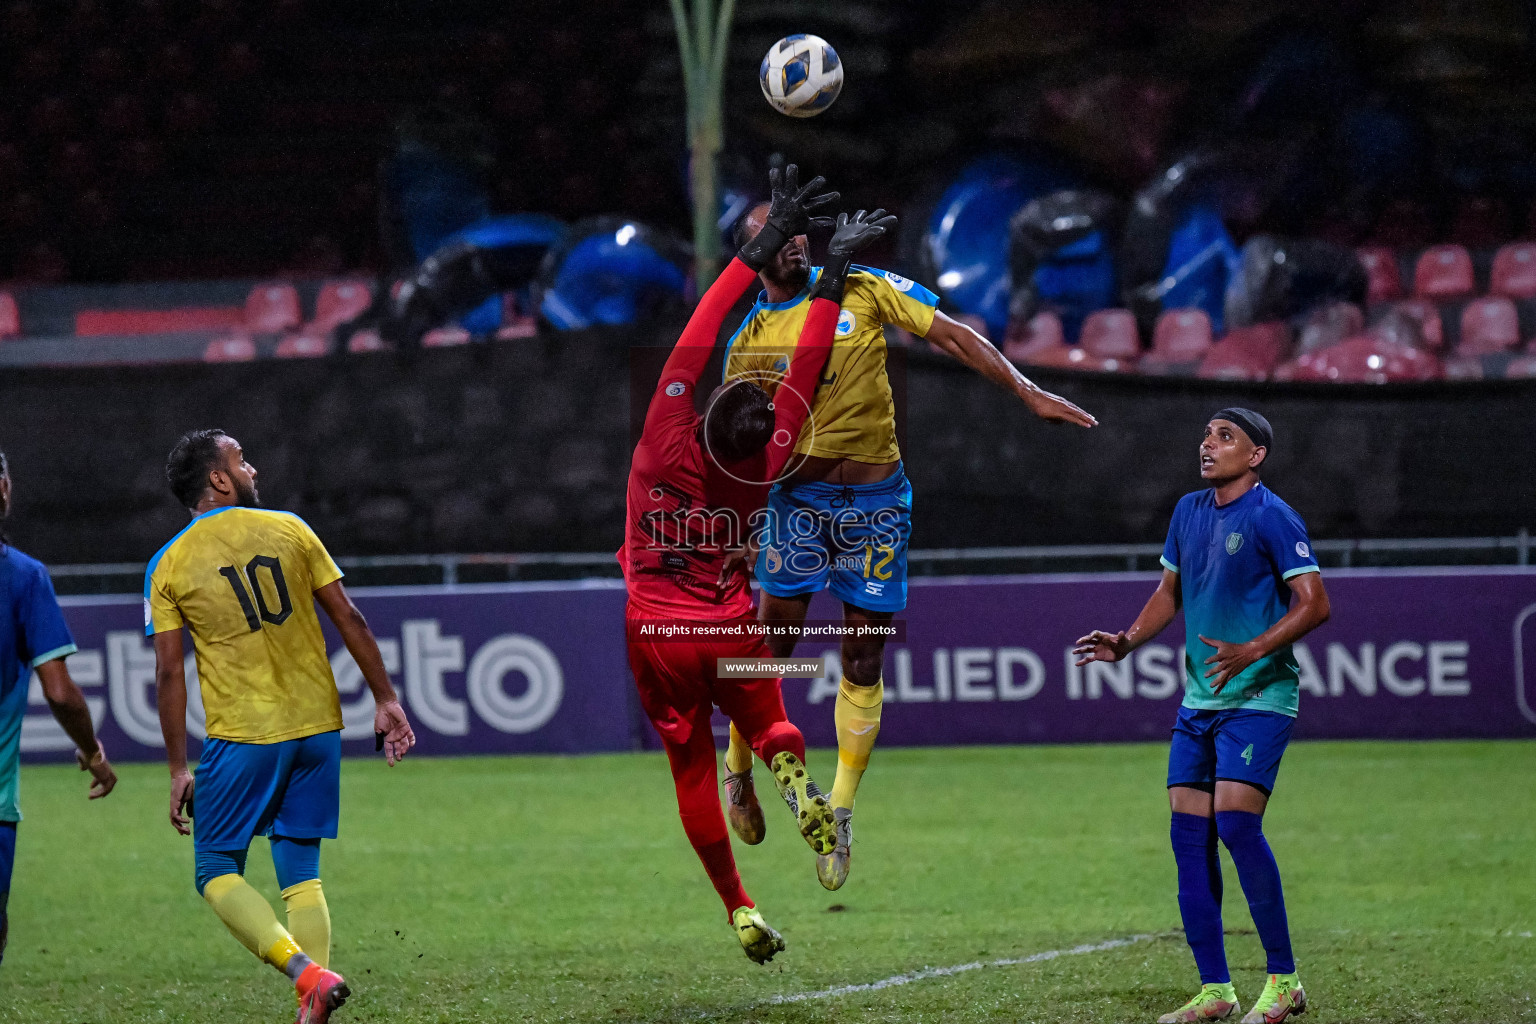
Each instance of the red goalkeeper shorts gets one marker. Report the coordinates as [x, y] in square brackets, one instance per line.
[678, 679]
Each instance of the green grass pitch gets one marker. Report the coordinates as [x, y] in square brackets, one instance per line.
[562, 889]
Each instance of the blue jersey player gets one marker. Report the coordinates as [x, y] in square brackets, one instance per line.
[1239, 561]
[34, 638]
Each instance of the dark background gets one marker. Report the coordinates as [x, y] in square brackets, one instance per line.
[525, 447]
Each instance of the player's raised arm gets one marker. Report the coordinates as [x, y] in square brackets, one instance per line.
[391, 728]
[957, 340]
[1159, 610]
[792, 403]
[789, 215]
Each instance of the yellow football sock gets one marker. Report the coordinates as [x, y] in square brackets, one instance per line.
[738, 756]
[858, 723]
[250, 919]
[309, 920]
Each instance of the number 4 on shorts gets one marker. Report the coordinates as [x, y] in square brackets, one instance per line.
[1247, 754]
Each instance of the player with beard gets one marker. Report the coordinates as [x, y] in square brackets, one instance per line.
[842, 518]
[245, 580]
[695, 486]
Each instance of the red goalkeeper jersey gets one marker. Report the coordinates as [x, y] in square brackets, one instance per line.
[686, 510]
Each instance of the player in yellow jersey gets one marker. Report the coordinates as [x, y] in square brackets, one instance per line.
[841, 518]
[244, 581]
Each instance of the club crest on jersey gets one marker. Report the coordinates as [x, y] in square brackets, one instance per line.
[772, 559]
[1234, 543]
[1302, 549]
[676, 388]
[846, 322]
[898, 282]
[781, 365]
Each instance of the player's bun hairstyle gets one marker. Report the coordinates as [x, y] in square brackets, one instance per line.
[192, 458]
[739, 422]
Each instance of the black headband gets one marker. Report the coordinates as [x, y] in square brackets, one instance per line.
[1251, 423]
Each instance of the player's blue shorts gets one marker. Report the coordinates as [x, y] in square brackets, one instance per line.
[244, 790]
[851, 538]
[1237, 745]
[7, 862]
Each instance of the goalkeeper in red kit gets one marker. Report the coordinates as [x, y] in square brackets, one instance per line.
[696, 487]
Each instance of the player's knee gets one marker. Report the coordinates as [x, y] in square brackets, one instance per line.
[1238, 827]
[210, 864]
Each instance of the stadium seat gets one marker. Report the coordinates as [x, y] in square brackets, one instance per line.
[1464, 368]
[272, 307]
[445, 337]
[1489, 325]
[304, 345]
[1042, 331]
[1181, 335]
[1363, 359]
[340, 301]
[1521, 367]
[1428, 316]
[1514, 271]
[232, 348]
[10, 318]
[1384, 279]
[1330, 324]
[366, 341]
[1111, 334]
[1247, 353]
[1443, 272]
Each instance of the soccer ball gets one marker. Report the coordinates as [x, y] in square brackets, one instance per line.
[801, 75]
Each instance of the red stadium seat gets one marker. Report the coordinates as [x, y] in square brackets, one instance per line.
[10, 318]
[1384, 279]
[1182, 335]
[304, 345]
[1464, 368]
[366, 341]
[272, 307]
[1521, 367]
[1111, 334]
[445, 337]
[1042, 331]
[233, 348]
[1247, 353]
[1489, 325]
[1363, 359]
[1428, 316]
[1330, 324]
[1514, 271]
[340, 301]
[1443, 272]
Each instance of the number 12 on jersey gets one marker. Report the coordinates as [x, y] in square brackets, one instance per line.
[257, 612]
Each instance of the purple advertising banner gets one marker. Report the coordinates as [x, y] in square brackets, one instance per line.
[541, 667]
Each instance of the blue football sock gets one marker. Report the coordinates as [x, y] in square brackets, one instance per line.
[295, 860]
[1260, 876]
[210, 864]
[1195, 852]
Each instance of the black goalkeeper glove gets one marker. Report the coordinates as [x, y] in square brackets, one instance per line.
[789, 214]
[852, 234]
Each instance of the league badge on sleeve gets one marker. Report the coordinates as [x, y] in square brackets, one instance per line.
[676, 388]
[846, 322]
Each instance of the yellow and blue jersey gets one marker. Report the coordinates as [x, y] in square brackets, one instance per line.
[242, 580]
[853, 415]
[1234, 562]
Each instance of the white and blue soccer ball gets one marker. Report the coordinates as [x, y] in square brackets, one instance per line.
[801, 75]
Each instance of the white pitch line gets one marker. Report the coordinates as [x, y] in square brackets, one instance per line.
[944, 972]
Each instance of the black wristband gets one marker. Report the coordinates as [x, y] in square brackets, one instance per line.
[764, 246]
[833, 279]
